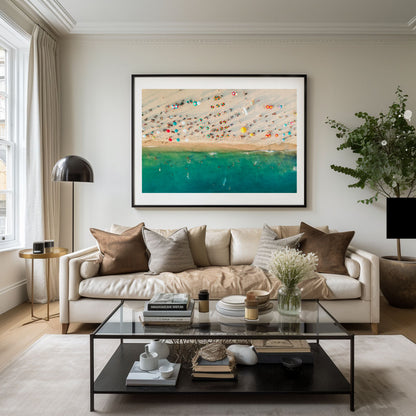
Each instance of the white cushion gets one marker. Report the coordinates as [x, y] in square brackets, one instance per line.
[243, 246]
[89, 268]
[218, 247]
[343, 287]
[353, 267]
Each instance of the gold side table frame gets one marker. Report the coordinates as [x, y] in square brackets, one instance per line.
[55, 252]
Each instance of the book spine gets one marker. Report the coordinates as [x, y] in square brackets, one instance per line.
[167, 306]
[167, 318]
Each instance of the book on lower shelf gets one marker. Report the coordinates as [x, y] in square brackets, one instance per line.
[169, 301]
[200, 375]
[281, 346]
[139, 377]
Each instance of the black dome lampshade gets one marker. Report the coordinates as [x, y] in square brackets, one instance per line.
[72, 169]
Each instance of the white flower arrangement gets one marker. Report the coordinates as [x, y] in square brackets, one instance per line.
[292, 266]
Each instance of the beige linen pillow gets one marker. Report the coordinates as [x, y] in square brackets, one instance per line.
[122, 253]
[89, 268]
[269, 243]
[168, 254]
[196, 236]
[218, 247]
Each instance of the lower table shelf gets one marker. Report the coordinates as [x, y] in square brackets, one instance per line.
[323, 377]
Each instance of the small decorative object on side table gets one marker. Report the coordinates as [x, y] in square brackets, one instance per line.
[54, 252]
[291, 266]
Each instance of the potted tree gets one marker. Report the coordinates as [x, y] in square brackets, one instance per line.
[386, 164]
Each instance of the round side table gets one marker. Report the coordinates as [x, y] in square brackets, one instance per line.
[53, 253]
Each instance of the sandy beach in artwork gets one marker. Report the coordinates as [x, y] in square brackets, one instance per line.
[207, 120]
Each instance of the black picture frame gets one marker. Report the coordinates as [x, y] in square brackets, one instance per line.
[264, 117]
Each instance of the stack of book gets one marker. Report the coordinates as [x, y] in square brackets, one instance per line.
[271, 351]
[214, 370]
[168, 309]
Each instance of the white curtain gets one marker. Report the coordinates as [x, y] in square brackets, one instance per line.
[42, 208]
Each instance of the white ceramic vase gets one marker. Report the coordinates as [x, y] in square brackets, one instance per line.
[159, 347]
[244, 354]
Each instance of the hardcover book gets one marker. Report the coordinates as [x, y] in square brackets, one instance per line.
[221, 366]
[214, 376]
[169, 312]
[281, 345]
[169, 301]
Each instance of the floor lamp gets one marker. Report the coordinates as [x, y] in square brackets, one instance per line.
[72, 169]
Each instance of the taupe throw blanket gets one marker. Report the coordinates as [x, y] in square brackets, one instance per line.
[237, 280]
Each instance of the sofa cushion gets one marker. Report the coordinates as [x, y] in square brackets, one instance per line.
[269, 243]
[243, 245]
[343, 287]
[168, 254]
[218, 247]
[330, 248]
[353, 268]
[89, 268]
[121, 253]
[196, 236]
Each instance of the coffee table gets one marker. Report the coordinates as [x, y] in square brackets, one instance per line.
[314, 323]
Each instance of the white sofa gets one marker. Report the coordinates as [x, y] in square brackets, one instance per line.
[356, 297]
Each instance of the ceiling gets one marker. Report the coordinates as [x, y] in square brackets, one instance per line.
[226, 17]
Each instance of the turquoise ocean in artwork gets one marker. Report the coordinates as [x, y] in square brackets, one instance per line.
[167, 171]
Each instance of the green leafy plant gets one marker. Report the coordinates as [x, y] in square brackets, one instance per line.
[386, 149]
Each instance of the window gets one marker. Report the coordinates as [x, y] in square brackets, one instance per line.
[13, 71]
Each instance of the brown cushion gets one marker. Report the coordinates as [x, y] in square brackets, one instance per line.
[330, 248]
[122, 253]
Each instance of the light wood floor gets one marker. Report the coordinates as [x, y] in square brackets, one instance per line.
[15, 337]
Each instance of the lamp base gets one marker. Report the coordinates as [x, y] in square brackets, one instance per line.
[398, 281]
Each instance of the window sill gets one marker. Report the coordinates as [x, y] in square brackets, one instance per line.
[10, 246]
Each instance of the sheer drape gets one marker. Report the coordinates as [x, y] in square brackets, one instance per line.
[42, 208]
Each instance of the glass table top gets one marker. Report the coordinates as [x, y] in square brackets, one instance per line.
[314, 322]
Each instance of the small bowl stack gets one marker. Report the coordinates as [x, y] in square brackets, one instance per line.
[263, 298]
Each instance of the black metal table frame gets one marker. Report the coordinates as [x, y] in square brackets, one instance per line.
[347, 336]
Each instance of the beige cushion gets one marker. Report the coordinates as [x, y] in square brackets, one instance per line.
[343, 287]
[198, 247]
[121, 253]
[196, 236]
[243, 245]
[218, 247]
[353, 267]
[168, 254]
[269, 243]
[89, 268]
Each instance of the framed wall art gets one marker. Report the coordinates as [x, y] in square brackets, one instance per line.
[219, 140]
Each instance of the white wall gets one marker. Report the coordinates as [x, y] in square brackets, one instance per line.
[344, 76]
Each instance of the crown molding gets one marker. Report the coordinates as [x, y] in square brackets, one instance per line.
[252, 29]
[48, 11]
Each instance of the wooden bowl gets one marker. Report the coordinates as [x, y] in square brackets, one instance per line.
[262, 295]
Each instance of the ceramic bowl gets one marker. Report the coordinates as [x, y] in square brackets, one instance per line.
[166, 371]
[291, 363]
[262, 295]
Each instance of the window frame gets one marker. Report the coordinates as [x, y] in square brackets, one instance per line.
[17, 52]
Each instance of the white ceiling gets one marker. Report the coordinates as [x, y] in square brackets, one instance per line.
[223, 17]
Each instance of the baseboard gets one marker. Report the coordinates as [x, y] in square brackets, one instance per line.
[13, 295]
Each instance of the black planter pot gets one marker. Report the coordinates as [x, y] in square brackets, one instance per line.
[398, 281]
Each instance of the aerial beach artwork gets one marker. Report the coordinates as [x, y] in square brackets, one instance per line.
[217, 146]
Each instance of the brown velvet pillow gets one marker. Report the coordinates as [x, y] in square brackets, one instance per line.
[330, 248]
[122, 253]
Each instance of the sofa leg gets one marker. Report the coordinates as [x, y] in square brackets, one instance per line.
[374, 328]
[65, 328]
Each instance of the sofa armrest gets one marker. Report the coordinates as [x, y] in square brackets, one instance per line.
[369, 278]
[69, 278]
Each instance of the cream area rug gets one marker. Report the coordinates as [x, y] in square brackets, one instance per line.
[52, 378]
